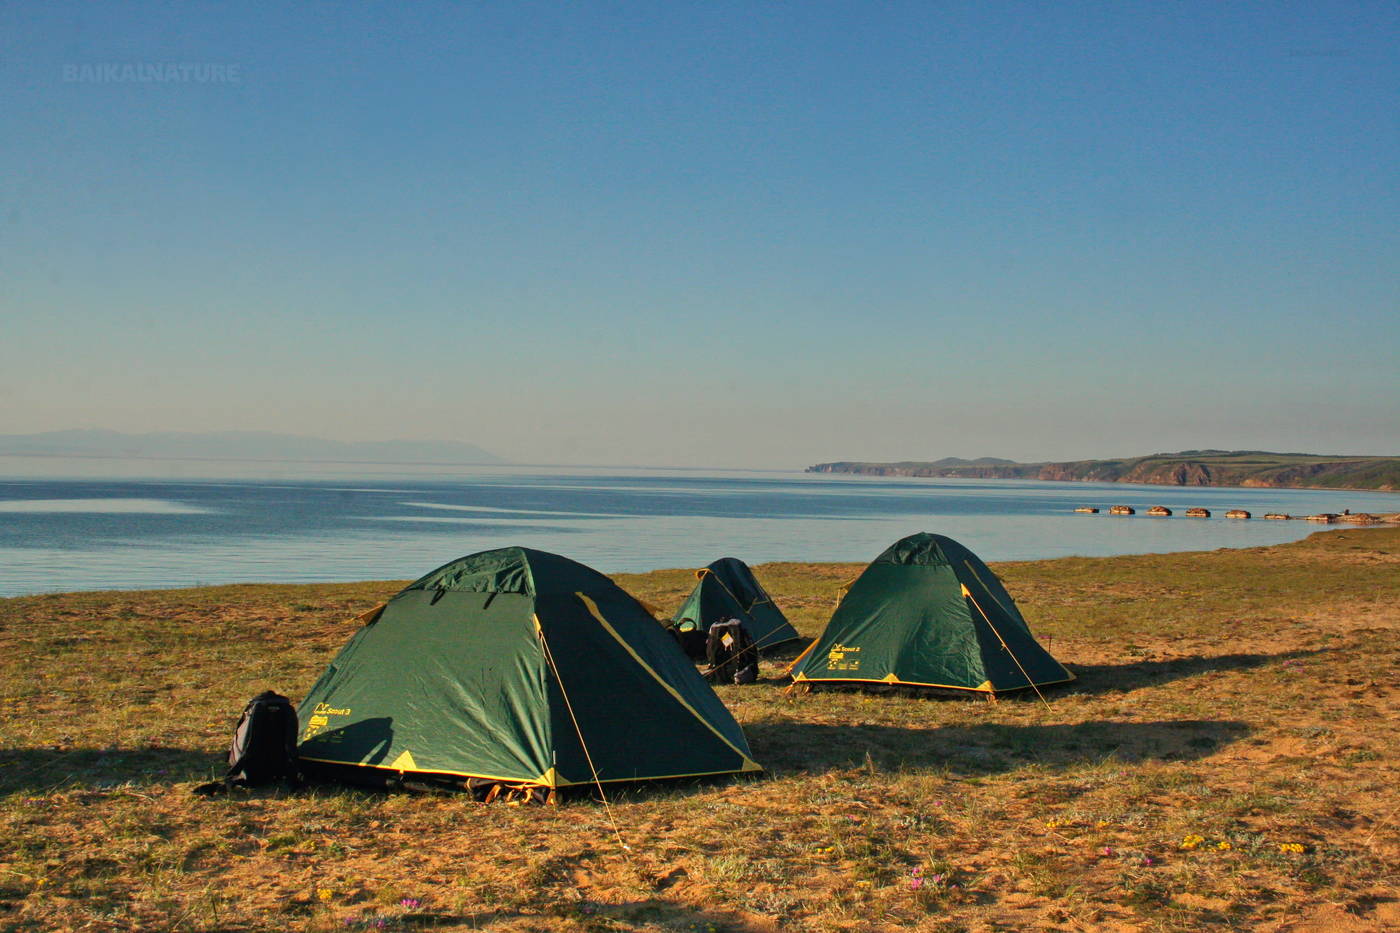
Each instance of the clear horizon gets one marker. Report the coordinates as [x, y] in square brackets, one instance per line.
[710, 235]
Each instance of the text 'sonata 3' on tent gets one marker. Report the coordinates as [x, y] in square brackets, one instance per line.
[521, 667]
[729, 590]
[928, 613]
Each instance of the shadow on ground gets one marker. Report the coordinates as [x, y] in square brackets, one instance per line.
[783, 746]
[652, 913]
[787, 651]
[44, 769]
[1120, 678]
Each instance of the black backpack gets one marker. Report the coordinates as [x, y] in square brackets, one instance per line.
[730, 654]
[264, 746]
[690, 638]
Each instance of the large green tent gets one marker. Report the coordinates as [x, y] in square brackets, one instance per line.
[520, 667]
[727, 589]
[927, 612]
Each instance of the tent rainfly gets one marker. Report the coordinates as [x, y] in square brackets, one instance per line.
[519, 667]
[727, 589]
[928, 613]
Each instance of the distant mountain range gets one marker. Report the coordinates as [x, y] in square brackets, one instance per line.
[238, 445]
[1186, 468]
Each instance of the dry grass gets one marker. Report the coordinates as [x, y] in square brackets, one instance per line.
[1227, 759]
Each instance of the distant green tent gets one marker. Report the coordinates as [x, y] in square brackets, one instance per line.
[517, 666]
[928, 613]
[729, 590]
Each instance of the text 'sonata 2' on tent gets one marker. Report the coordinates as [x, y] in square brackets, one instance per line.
[729, 590]
[928, 613]
[520, 667]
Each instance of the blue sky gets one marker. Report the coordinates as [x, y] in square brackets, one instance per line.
[711, 234]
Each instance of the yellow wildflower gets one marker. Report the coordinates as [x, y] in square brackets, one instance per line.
[1295, 847]
[1191, 841]
[1223, 845]
[325, 894]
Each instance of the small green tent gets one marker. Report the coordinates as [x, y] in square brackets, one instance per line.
[729, 590]
[521, 667]
[927, 612]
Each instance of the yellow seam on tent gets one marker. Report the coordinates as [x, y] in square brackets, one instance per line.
[371, 615]
[984, 687]
[746, 610]
[541, 780]
[967, 594]
[798, 660]
[587, 755]
[885, 680]
[593, 608]
[404, 762]
[748, 766]
[890, 678]
[700, 575]
[549, 779]
[360, 764]
[992, 594]
[841, 596]
[978, 577]
[724, 586]
[914, 683]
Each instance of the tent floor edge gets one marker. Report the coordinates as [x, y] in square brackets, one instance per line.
[885, 685]
[381, 777]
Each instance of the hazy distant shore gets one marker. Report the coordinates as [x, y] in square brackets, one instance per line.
[1245, 469]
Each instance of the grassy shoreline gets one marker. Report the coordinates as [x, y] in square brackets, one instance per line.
[1245, 697]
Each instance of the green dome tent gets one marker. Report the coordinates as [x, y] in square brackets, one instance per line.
[728, 590]
[928, 613]
[519, 667]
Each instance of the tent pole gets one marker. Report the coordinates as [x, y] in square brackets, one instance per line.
[549, 656]
[968, 594]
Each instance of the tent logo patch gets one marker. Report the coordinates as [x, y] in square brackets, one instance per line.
[837, 660]
[321, 717]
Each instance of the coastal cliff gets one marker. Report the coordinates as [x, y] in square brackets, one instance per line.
[1187, 468]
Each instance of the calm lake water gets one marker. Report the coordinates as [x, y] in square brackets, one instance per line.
[289, 523]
